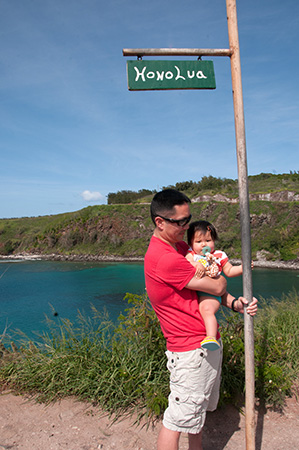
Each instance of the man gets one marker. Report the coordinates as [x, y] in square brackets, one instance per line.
[171, 285]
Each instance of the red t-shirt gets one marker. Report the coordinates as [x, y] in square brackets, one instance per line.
[166, 274]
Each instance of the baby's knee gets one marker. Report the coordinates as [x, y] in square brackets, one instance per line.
[207, 308]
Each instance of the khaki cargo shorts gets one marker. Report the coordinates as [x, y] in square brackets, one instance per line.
[194, 388]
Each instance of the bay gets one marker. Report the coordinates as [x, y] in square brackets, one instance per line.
[32, 290]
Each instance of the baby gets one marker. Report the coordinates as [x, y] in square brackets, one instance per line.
[201, 238]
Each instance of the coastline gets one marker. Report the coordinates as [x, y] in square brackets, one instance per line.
[76, 258]
[259, 263]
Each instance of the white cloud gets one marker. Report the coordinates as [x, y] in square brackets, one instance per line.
[91, 196]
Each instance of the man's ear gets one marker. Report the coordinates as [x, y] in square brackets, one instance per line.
[159, 223]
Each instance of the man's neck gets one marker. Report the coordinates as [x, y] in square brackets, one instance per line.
[158, 235]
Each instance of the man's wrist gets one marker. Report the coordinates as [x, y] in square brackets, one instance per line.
[233, 305]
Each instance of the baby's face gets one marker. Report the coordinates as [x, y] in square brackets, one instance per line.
[201, 240]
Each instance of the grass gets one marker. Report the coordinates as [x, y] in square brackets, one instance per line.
[122, 367]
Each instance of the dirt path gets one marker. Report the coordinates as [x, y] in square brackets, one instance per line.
[72, 425]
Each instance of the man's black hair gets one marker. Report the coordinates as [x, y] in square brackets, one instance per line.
[164, 202]
[203, 226]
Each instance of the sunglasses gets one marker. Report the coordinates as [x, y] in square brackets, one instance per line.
[179, 222]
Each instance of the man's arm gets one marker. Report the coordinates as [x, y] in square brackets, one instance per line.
[214, 286]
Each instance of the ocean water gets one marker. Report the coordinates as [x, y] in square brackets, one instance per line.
[32, 290]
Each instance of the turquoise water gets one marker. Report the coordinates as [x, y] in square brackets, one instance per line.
[31, 290]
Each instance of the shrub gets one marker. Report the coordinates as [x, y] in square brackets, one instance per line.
[122, 367]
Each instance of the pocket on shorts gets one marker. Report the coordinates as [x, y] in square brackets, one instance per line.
[200, 403]
[184, 365]
[195, 358]
[192, 358]
[179, 408]
[187, 411]
[172, 360]
[179, 398]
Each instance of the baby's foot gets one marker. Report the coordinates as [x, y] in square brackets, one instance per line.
[210, 343]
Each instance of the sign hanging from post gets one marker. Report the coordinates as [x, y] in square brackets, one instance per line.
[166, 75]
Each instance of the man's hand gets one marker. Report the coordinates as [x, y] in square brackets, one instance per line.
[200, 270]
[250, 309]
[229, 301]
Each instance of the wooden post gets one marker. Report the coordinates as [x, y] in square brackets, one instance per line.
[176, 52]
[245, 219]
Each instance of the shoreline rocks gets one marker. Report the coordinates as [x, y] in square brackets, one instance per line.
[260, 262]
[77, 258]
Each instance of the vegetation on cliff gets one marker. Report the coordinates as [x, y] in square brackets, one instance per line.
[264, 183]
[125, 229]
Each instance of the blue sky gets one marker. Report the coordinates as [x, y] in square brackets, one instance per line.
[71, 132]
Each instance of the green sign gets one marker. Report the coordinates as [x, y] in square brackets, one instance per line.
[155, 75]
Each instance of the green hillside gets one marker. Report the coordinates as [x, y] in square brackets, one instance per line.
[264, 183]
[125, 229]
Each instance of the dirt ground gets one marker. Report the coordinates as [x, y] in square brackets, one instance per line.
[72, 425]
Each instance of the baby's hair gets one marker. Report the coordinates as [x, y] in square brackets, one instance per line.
[203, 226]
